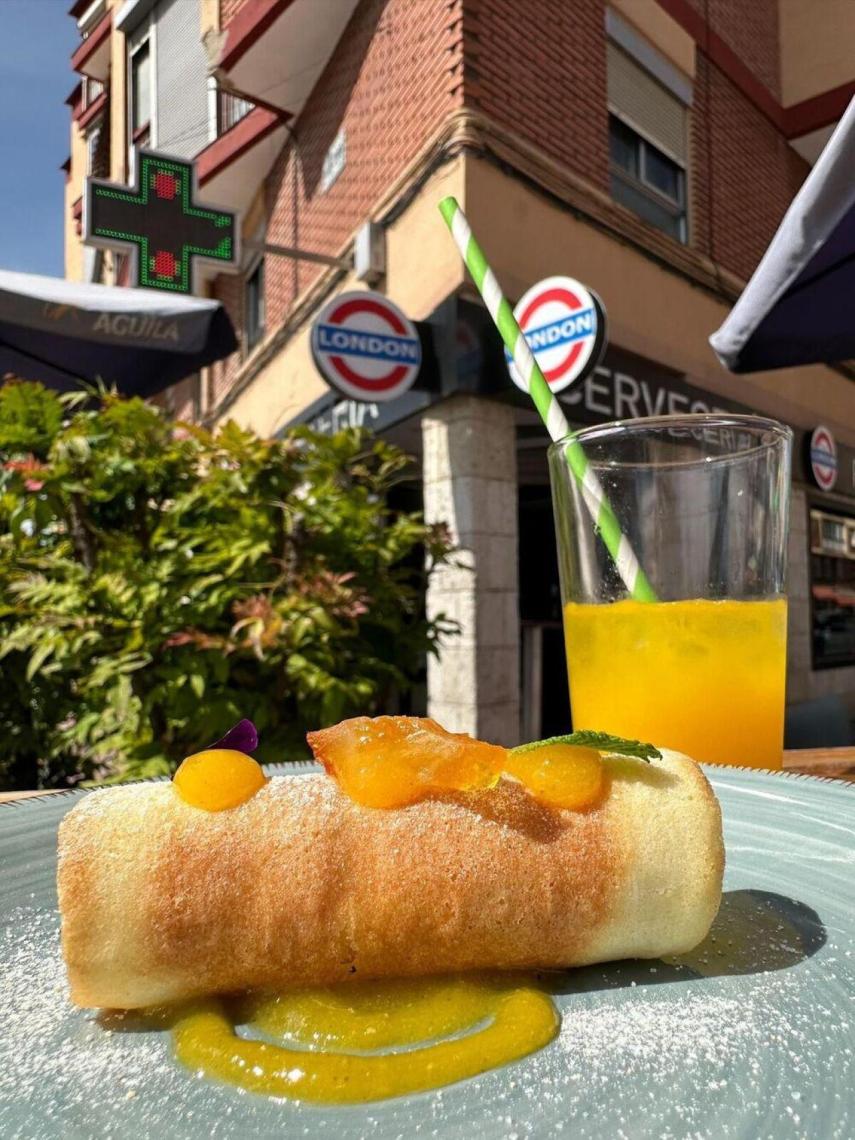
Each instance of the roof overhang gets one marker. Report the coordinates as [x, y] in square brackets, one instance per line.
[131, 13]
[810, 124]
[87, 12]
[818, 111]
[266, 46]
[810, 146]
[92, 57]
[232, 167]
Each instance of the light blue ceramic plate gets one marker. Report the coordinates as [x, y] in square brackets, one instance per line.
[751, 1036]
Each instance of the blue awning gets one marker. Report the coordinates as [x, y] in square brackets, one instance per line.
[799, 307]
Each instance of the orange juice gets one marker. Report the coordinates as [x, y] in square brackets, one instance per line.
[703, 677]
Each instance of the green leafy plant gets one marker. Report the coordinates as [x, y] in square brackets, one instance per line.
[159, 581]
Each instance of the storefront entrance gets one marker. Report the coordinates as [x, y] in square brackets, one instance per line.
[545, 703]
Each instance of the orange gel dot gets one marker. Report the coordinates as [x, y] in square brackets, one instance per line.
[219, 778]
[560, 775]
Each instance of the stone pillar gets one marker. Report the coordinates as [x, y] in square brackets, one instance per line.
[470, 482]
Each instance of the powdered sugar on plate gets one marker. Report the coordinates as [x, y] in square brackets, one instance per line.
[74, 1076]
[751, 1037]
[645, 1050]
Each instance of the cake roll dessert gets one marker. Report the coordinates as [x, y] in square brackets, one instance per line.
[300, 884]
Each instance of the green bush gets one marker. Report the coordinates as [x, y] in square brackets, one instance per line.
[158, 582]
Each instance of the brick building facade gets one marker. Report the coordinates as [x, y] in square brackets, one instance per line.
[646, 147]
[399, 63]
[415, 63]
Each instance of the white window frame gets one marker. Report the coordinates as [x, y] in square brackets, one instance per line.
[150, 39]
[643, 186]
[212, 108]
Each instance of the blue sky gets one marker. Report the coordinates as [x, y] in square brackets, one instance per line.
[37, 38]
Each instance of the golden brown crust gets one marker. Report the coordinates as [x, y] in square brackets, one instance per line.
[162, 901]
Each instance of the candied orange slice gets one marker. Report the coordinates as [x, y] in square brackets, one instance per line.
[218, 778]
[561, 775]
[389, 761]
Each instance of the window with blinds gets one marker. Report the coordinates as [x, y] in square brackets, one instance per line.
[648, 129]
[635, 96]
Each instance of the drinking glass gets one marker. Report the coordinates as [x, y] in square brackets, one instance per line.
[704, 503]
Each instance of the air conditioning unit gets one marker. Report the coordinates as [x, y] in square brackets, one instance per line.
[369, 253]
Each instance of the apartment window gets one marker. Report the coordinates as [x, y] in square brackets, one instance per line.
[648, 128]
[647, 181]
[141, 92]
[254, 306]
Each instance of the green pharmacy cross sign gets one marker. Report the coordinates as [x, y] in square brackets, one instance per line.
[160, 223]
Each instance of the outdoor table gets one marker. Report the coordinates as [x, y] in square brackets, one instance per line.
[833, 763]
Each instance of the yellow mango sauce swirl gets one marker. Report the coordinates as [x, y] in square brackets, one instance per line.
[363, 1041]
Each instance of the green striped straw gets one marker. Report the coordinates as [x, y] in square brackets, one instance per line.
[603, 516]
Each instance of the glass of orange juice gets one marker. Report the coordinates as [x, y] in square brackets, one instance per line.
[703, 500]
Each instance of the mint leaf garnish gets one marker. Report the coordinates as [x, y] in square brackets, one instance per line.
[602, 741]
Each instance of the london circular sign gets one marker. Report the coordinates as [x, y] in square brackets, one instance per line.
[565, 326]
[822, 453]
[364, 346]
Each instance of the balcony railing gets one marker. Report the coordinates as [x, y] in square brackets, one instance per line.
[91, 89]
[92, 105]
[98, 148]
[230, 110]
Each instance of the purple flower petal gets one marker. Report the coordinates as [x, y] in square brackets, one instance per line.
[242, 738]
